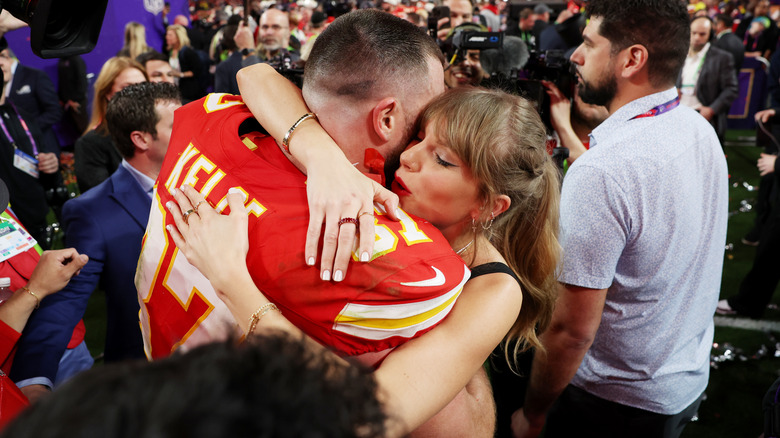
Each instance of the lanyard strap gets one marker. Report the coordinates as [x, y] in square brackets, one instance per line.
[660, 109]
[24, 126]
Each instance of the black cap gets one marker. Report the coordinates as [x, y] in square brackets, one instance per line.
[318, 17]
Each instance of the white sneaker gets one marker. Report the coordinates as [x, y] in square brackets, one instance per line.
[724, 308]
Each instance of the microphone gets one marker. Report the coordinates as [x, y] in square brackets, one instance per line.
[511, 57]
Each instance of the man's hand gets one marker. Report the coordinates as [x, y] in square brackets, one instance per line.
[35, 393]
[522, 427]
[48, 162]
[8, 22]
[706, 112]
[766, 164]
[54, 270]
[765, 115]
[244, 38]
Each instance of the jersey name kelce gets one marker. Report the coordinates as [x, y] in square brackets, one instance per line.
[409, 286]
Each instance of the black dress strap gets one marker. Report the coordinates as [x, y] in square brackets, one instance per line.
[491, 268]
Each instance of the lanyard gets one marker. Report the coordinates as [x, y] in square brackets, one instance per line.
[698, 70]
[660, 109]
[24, 126]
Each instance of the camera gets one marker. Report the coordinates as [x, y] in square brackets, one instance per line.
[467, 37]
[59, 28]
[526, 81]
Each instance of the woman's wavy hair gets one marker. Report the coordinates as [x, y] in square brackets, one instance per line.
[502, 140]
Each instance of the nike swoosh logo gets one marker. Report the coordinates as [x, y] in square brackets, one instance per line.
[438, 280]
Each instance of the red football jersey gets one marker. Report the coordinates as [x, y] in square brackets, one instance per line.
[409, 286]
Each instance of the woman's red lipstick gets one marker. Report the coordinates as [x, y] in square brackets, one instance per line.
[399, 188]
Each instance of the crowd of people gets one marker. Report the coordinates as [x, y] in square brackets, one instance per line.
[320, 214]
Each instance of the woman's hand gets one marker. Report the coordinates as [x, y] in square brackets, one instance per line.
[214, 243]
[336, 190]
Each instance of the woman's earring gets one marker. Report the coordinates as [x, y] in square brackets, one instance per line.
[486, 225]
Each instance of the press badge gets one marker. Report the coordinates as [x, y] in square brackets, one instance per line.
[13, 240]
[26, 163]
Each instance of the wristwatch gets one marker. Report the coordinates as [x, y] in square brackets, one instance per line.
[247, 52]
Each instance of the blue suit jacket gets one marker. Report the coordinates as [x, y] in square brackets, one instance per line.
[107, 223]
[32, 91]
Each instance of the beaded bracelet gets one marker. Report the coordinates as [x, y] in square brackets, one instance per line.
[259, 314]
[286, 139]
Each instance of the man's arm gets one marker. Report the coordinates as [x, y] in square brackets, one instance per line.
[574, 325]
[49, 329]
[727, 86]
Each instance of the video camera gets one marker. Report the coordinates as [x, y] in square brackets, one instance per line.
[469, 36]
[59, 28]
[284, 65]
[526, 81]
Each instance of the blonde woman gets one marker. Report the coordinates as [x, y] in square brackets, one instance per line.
[95, 154]
[135, 41]
[186, 64]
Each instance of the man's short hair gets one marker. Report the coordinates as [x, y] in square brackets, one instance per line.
[152, 55]
[628, 22]
[133, 109]
[725, 19]
[367, 52]
[271, 385]
[525, 13]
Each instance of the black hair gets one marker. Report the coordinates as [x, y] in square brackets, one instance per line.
[273, 385]
[628, 22]
[152, 55]
[133, 109]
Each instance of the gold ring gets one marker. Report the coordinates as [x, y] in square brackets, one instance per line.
[198, 204]
[365, 212]
[187, 214]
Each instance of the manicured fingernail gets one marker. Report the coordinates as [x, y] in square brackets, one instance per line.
[173, 191]
[168, 227]
[310, 262]
[169, 204]
[237, 190]
[364, 257]
[326, 275]
[338, 276]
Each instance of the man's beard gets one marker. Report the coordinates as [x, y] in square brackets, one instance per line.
[393, 158]
[600, 93]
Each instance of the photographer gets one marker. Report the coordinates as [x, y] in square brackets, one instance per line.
[465, 69]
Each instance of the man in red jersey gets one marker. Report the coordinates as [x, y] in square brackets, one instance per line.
[414, 276]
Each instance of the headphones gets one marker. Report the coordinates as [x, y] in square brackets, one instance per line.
[711, 35]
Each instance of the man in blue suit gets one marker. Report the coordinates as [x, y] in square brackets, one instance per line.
[107, 223]
[33, 93]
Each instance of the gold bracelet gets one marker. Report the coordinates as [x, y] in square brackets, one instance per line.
[286, 139]
[258, 315]
[38, 300]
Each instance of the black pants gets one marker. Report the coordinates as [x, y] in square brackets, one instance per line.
[581, 414]
[756, 289]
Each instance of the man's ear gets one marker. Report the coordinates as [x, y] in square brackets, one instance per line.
[384, 118]
[141, 140]
[633, 60]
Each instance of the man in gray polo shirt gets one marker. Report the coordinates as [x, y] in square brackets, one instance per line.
[643, 229]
